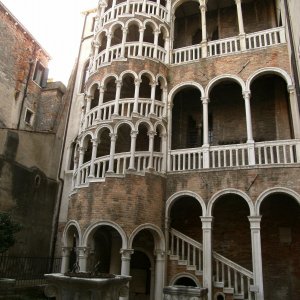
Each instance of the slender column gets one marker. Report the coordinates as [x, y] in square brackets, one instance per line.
[207, 254]
[65, 259]
[107, 47]
[118, 92]
[241, 24]
[170, 107]
[156, 34]
[157, 7]
[137, 83]
[256, 257]
[75, 168]
[168, 6]
[81, 156]
[159, 274]
[96, 50]
[203, 27]
[124, 36]
[87, 109]
[205, 101]
[151, 135]
[113, 9]
[101, 95]
[144, 6]
[165, 101]
[132, 149]
[127, 7]
[113, 139]
[101, 19]
[163, 137]
[94, 153]
[141, 30]
[250, 141]
[153, 87]
[125, 267]
[82, 258]
[294, 111]
[167, 49]
[81, 128]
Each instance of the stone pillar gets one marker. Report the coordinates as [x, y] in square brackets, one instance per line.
[144, 6]
[82, 258]
[81, 156]
[207, 255]
[118, 93]
[256, 257]
[113, 139]
[113, 9]
[132, 149]
[137, 83]
[163, 137]
[124, 36]
[294, 111]
[151, 135]
[153, 87]
[156, 34]
[203, 27]
[96, 49]
[170, 106]
[165, 101]
[65, 259]
[157, 7]
[107, 47]
[168, 7]
[141, 39]
[205, 102]
[102, 11]
[94, 153]
[87, 109]
[159, 274]
[241, 24]
[101, 95]
[167, 49]
[127, 7]
[125, 267]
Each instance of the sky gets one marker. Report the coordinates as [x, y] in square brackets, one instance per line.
[57, 26]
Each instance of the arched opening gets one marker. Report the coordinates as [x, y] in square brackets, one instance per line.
[109, 4]
[158, 139]
[109, 90]
[133, 33]
[149, 34]
[117, 34]
[187, 120]
[227, 119]
[145, 87]
[102, 42]
[231, 230]
[85, 71]
[128, 86]
[123, 144]
[105, 243]
[271, 118]
[73, 153]
[103, 149]
[95, 98]
[72, 241]
[158, 89]
[185, 281]
[142, 139]
[88, 146]
[187, 24]
[280, 227]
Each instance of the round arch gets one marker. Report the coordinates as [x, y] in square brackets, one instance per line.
[183, 85]
[185, 274]
[115, 130]
[95, 85]
[71, 223]
[103, 127]
[274, 190]
[114, 26]
[158, 236]
[99, 224]
[146, 122]
[276, 71]
[161, 125]
[181, 194]
[133, 21]
[107, 77]
[89, 133]
[152, 24]
[128, 72]
[149, 74]
[221, 78]
[177, 3]
[217, 195]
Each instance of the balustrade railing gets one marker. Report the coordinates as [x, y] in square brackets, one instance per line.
[223, 46]
[186, 159]
[134, 7]
[121, 164]
[186, 54]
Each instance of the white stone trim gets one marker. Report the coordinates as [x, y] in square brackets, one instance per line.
[115, 130]
[185, 274]
[71, 223]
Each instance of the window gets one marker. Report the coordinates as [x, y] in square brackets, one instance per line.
[40, 75]
[28, 117]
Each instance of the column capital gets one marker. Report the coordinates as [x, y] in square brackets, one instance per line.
[238, 2]
[291, 89]
[205, 100]
[141, 29]
[255, 222]
[137, 81]
[66, 250]
[156, 31]
[118, 83]
[113, 136]
[151, 133]
[246, 94]
[82, 251]
[153, 83]
[102, 89]
[206, 222]
[126, 253]
[95, 141]
[82, 150]
[203, 7]
[160, 254]
[89, 98]
[134, 133]
[125, 30]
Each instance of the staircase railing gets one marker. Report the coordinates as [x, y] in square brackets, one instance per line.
[227, 274]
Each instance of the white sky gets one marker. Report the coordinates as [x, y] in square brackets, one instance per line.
[57, 26]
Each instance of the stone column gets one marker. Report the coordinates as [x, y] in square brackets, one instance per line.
[141, 39]
[205, 102]
[107, 47]
[241, 24]
[94, 153]
[96, 50]
[113, 139]
[157, 7]
[118, 92]
[113, 9]
[82, 258]
[125, 267]
[163, 137]
[159, 274]
[167, 49]
[124, 36]
[81, 156]
[256, 257]
[102, 11]
[87, 109]
[168, 7]
[144, 6]
[156, 34]
[132, 149]
[151, 135]
[101, 95]
[250, 141]
[207, 254]
[165, 101]
[65, 259]
[137, 83]
[127, 7]
[170, 106]
[203, 27]
[153, 87]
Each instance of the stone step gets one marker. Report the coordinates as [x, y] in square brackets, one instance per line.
[191, 268]
[182, 262]
[219, 284]
[228, 290]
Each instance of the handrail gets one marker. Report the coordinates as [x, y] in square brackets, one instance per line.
[186, 238]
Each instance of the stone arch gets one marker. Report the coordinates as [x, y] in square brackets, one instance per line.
[160, 124]
[93, 86]
[112, 224]
[185, 274]
[107, 77]
[153, 25]
[181, 194]
[133, 21]
[163, 79]
[271, 191]
[183, 85]
[164, 30]
[101, 128]
[89, 133]
[115, 130]
[71, 223]
[177, 3]
[104, 30]
[270, 70]
[113, 27]
[124, 73]
[217, 195]
[221, 78]
[158, 235]
[146, 73]
[146, 122]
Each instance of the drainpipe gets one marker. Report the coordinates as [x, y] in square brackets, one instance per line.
[293, 55]
[61, 185]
